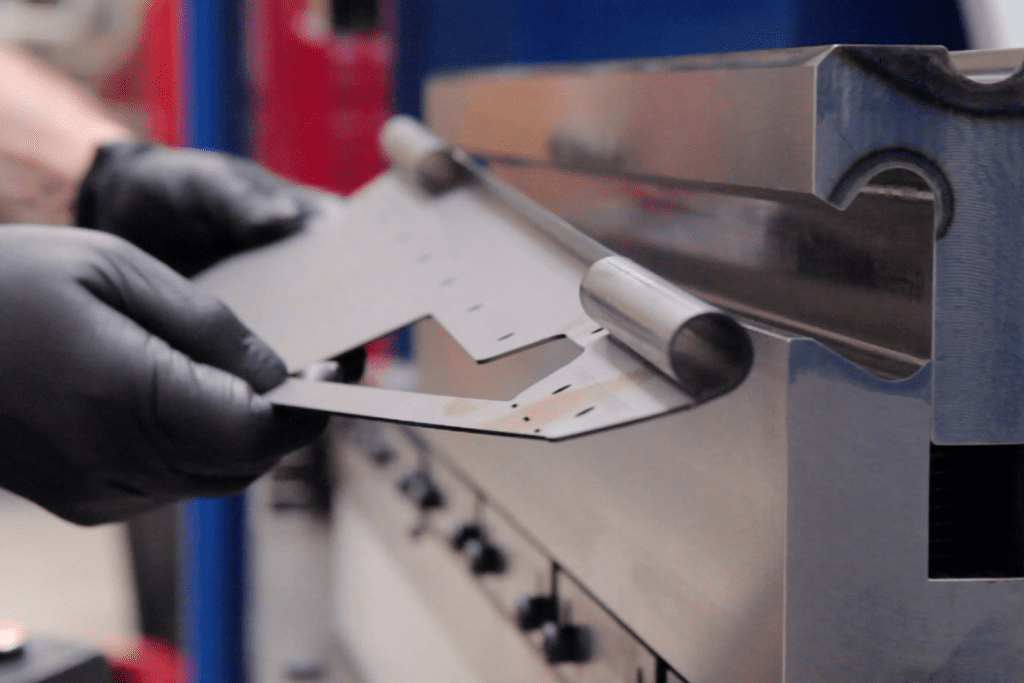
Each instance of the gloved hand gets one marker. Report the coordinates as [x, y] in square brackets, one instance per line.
[122, 385]
[187, 207]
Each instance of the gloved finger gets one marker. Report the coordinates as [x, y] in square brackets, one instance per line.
[188, 207]
[219, 196]
[228, 429]
[201, 420]
[230, 434]
[188, 318]
[261, 206]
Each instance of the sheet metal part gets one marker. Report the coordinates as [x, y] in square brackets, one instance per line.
[438, 167]
[689, 340]
[465, 250]
[814, 127]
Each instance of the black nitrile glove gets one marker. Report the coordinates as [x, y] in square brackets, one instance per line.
[187, 207]
[122, 385]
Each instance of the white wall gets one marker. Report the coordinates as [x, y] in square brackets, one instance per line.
[993, 23]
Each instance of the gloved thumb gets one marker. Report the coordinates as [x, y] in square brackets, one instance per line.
[199, 370]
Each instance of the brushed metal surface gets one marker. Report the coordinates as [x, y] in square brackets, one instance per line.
[859, 603]
[859, 280]
[779, 534]
[677, 524]
[701, 118]
[815, 125]
[477, 613]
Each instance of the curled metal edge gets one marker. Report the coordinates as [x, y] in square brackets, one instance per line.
[698, 345]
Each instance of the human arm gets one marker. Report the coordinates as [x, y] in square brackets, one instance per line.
[64, 160]
[51, 129]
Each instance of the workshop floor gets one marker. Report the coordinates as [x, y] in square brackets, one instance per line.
[64, 580]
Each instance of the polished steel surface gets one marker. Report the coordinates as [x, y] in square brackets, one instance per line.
[815, 127]
[408, 144]
[648, 118]
[859, 280]
[430, 160]
[439, 167]
[677, 525]
[988, 66]
[859, 602]
[778, 534]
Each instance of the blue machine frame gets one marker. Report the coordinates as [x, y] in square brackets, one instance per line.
[213, 556]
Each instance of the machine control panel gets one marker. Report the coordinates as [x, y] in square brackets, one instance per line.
[438, 509]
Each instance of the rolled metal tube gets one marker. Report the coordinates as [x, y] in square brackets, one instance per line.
[699, 346]
[702, 348]
[410, 145]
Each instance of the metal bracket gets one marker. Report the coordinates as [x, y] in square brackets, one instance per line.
[438, 236]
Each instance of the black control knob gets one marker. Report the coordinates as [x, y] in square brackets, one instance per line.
[419, 487]
[533, 611]
[464, 533]
[566, 643]
[484, 558]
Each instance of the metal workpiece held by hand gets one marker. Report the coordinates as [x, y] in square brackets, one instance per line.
[438, 236]
[691, 341]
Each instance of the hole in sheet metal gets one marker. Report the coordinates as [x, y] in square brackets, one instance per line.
[560, 389]
[443, 366]
[474, 307]
[506, 336]
[584, 411]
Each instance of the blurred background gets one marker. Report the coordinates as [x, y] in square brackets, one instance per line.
[303, 86]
